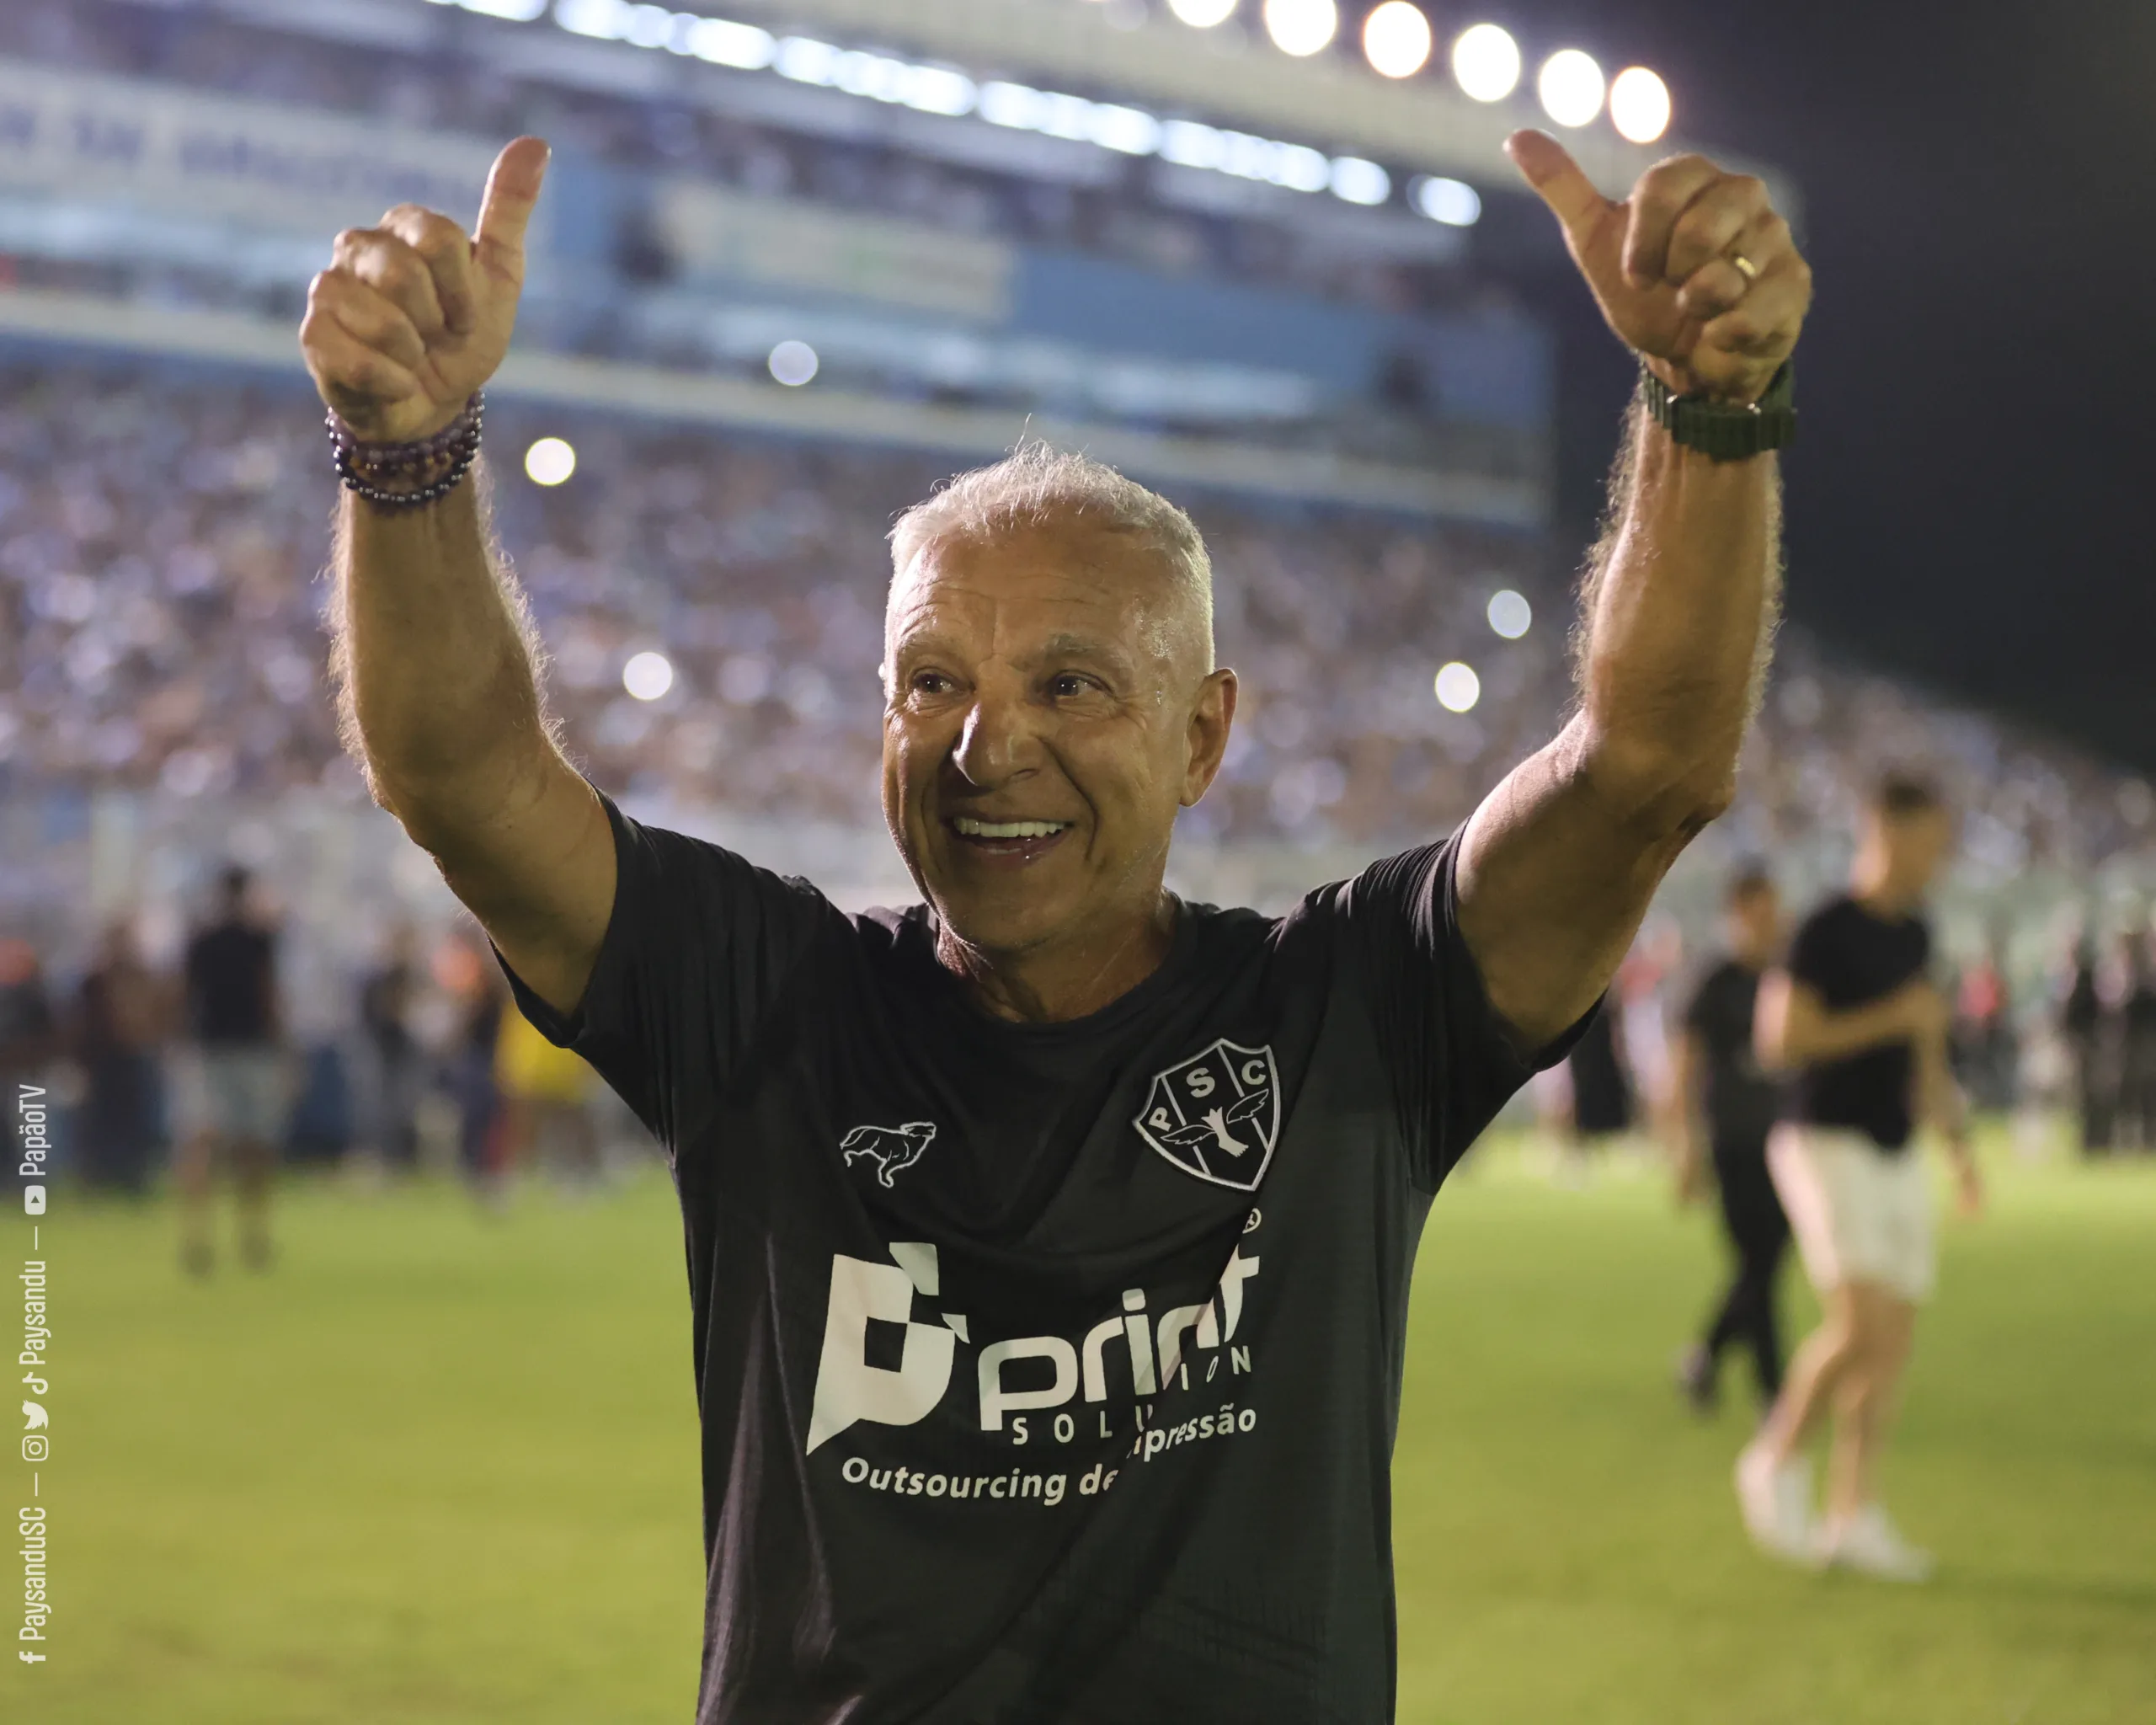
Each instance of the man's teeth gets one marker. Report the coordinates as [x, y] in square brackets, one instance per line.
[969, 828]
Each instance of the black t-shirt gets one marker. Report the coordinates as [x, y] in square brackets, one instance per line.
[1852, 957]
[1742, 1100]
[231, 984]
[1046, 1372]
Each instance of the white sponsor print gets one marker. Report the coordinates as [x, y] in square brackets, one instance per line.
[1156, 1348]
[1216, 1114]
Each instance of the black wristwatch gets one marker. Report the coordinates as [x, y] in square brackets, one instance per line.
[1725, 430]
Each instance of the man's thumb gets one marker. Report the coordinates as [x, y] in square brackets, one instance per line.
[512, 189]
[1546, 165]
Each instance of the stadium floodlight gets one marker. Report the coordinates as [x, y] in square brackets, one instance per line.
[647, 675]
[807, 60]
[938, 90]
[1203, 14]
[1397, 40]
[794, 363]
[1638, 105]
[723, 42]
[1301, 27]
[1510, 614]
[1131, 131]
[515, 11]
[1356, 181]
[1458, 687]
[1571, 87]
[1485, 62]
[549, 461]
[1452, 201]
[648, 27]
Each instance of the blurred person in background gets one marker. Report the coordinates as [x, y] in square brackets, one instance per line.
[2138, 1045]
[1046, 1098]
[1854, 1020]
[1985, 1051]
[29, 1032]
[393, 1066]
[546, 1094]
[239, 1085]
[1601, 1098]
[2081, 1028]
[469, 1067]
[125, 1015]
[1726, 1106]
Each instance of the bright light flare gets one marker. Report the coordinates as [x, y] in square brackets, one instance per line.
[1510, 614]
[794, 363]
[647, 675]
[1638, 105]
[1454, 202]
[1485, 62]
[1203, 14]
[1458, 687]
[549, 461]
[1571, 87]
[1301, 27]
[1397, 40]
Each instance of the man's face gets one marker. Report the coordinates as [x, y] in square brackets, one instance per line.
[1915, 845]
[1048, 708]
[1755, 920]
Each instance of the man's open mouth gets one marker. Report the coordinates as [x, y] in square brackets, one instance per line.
[1018, 839]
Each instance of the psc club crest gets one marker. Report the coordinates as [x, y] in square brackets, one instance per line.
[1216, 1114]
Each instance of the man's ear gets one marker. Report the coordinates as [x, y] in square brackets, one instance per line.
[1212, 717]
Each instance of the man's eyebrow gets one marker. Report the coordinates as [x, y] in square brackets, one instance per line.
[1092, 647]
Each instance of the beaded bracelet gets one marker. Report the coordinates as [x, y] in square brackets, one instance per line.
[363, 467]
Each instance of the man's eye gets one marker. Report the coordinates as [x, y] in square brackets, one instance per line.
[1069, 683]
[930, 682]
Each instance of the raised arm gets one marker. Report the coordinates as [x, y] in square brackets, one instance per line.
[434, 655]
[1793, 1027]
[1559, 863]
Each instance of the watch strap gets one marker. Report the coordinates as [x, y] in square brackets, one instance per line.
[1725, 430]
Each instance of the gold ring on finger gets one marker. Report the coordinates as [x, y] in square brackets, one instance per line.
[1744, 266]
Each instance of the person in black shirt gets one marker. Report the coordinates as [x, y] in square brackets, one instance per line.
[1720, 1085]
[1048, 1241]
[1854, 1020]
[240, 1087]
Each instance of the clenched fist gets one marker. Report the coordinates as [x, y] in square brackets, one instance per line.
[411, 316]
[1664, 265]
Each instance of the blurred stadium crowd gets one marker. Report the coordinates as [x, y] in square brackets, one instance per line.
[160, 541]
[160, 545]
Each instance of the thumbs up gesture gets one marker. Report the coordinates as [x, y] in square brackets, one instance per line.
[411, 316]
[1695, 270]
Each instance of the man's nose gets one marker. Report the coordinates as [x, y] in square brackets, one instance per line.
[997, 740]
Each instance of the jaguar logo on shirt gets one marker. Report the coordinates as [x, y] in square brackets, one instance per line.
[891, 1148]
[1216, 1114]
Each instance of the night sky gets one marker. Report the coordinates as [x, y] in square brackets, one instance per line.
[1972, 498]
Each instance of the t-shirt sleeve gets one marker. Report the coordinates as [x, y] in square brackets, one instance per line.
[1453, 1061]
[699, 947]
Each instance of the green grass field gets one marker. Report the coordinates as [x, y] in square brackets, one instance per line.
[440, 1468]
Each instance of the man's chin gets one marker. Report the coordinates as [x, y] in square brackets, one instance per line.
[997, 923]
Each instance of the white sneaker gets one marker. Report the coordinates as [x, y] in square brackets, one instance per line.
[1870, 1544]
[1777, 1504]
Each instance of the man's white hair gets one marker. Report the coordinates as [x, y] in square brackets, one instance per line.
[1035, 484]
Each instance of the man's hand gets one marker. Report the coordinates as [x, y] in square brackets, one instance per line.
[411, 316]
[1662, 267]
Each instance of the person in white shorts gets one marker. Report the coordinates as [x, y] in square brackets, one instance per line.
[1861, 1033]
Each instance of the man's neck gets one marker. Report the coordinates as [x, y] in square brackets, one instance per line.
[1054, 984]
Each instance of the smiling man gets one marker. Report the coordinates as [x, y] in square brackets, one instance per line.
[1048, 1242]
